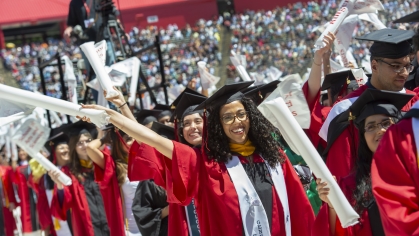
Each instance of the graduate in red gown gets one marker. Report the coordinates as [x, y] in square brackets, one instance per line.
[390, 66]
[111, 174]
[25, 196]
[7, 198]
[240, 147]
[83, 197]
[395, 176]
[373, 113]
[148, 163]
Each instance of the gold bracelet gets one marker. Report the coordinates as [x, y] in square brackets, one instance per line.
[314, 62]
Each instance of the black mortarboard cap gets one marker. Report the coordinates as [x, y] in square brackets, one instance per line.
[389, 43]
[56, 137]
[187, 90]
[146, 116]
[162, 107]
[261, 90]
[187, 104]
[163, 130]
[413, 17]
[77, 128]
[373, 101]
[336, 81]
[226, 94]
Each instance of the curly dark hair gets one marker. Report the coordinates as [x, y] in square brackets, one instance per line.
[261, 133]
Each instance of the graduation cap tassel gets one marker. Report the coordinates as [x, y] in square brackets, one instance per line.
[120, 138]
[205, 132]
[176, 121]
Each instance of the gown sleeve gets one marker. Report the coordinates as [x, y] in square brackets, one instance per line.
[147, 206]
[59, 209]
[144, 162]
[182, 176]
[394, 175]
[104, 176]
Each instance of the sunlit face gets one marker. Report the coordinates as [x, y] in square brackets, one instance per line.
[192, 129]
[62, 154]
[375, 128]
[166, 121]
[81, 147]
[23, 156]
[384, 75]
[235, 122]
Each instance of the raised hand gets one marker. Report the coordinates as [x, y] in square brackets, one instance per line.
[54, 176]
[118, 100]
[327, 49]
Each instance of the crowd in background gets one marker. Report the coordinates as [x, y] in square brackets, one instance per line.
[282, 37]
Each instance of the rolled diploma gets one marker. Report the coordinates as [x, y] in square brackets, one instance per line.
[63, 178]
[290, 126]
[332, 26]
[239, 67]
[98, 117]
[102, 75]
[134, 80]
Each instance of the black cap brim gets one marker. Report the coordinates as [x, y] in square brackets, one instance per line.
[187, 90]
[76, 128]
[185, 104]
[224, 95]
[143, 114]
[391, 36]
[164, 130]
[337, 78]
[262, 89]
[413, 17]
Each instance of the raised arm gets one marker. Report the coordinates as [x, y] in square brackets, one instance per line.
[138, 131]
[122, 105]
[314, 79]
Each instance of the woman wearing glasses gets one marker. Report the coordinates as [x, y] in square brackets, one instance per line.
[373, 113]
[241, 181]
[83, 197]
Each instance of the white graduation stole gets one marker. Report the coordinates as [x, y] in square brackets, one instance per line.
[254, 219]
[415, 128]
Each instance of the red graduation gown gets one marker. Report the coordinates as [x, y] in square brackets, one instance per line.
[321, 226]
[108, 183]
[22, 184]
[74, 199]
[342, 154]
[395, 180]
[145, 163]
[6, 175]
[318, 115]
[42, 206]
[208, 182]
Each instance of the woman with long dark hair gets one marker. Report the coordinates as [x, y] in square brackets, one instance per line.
[373, 113]
[83, 197]
[111, 174]
[262, 196]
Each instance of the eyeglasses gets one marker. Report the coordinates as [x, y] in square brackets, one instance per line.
[382, 125]
[398, 68]
[228, 119]
[81, 143]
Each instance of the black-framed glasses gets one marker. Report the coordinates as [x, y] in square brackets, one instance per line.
[228, 119]
[385, 124]
[397, 67]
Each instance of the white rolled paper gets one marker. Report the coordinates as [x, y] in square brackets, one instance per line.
[92, 55]
[239, 67]
[207, 79]
[135, 71]
[277, 112]
[63, 178]
[98, 117]
[332, 26]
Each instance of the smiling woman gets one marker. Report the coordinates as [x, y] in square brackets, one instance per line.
[372, 113]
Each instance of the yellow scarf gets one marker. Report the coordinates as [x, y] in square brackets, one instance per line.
[86, 164]
[245, 150]
[37, 170]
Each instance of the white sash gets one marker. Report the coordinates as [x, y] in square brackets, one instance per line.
[254, 219]
[415, 128]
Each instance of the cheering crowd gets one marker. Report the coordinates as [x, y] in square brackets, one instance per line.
[221, 164]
